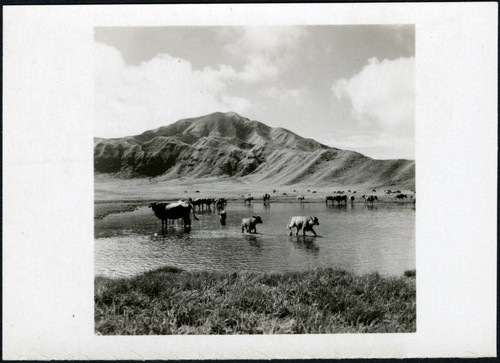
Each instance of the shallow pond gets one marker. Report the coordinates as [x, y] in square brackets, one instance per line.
[355, 237]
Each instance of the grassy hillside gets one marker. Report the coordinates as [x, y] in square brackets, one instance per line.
[228, 145]
[320, 301]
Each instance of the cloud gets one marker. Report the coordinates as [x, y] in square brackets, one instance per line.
[293, 96]
[131, 99]
[265, 39]
[264, 50]
[383, 92]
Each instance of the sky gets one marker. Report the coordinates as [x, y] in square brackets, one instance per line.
[347, 86]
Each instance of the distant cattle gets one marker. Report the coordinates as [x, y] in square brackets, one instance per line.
[250, 224]
[266, 197]
[202, 203]
[304, 223]
[220, 203]
[337, 198]
[351, 198]
[248, 199]
[180, 209]
[300, 198]
[401, 196]
[369, 199]
[341, 199]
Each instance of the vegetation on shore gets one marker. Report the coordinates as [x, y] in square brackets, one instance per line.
[324, 300]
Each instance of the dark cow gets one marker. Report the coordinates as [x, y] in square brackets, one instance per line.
[180, 209]
[248, 199]
[220, 203]
[266, 197]
[340, 199]
[304, 223]
[370, 198]
[337, 198]
[250, 224]
[300, 198]
[351, 198]
[222, 218]
[401, 196]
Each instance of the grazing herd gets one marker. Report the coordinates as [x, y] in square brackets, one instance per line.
[182, 210]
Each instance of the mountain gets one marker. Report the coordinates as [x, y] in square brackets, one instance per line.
[227, 144]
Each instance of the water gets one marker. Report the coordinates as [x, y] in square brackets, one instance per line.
[356, 237]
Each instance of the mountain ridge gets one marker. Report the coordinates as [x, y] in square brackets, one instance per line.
[229, 145]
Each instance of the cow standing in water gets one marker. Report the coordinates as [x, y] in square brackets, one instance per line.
[165, 211]
[370, 199]
[250, 224]
[304, 223]
[222, 218]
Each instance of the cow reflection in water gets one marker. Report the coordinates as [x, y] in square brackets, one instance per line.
[254, 241]
[306, 243]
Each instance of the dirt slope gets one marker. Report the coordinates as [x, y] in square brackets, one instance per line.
[228, 145]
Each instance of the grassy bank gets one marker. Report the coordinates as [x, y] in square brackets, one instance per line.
[173, 301]
[108, 189]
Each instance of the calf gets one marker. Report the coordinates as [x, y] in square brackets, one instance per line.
[304, 223]
[250, 224]
[222, 218]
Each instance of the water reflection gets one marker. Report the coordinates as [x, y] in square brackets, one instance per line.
[357, 237]
[305, 243]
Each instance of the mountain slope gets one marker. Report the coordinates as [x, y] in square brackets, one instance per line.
[226, 144]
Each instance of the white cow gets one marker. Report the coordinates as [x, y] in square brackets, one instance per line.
[304, 223]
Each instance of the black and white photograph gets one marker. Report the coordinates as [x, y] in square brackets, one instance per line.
[255, 180]
[239, 181]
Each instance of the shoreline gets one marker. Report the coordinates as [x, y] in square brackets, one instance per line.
[108, 189]
[103, 208]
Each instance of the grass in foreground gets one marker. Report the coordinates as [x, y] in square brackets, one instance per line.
[326, 300]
